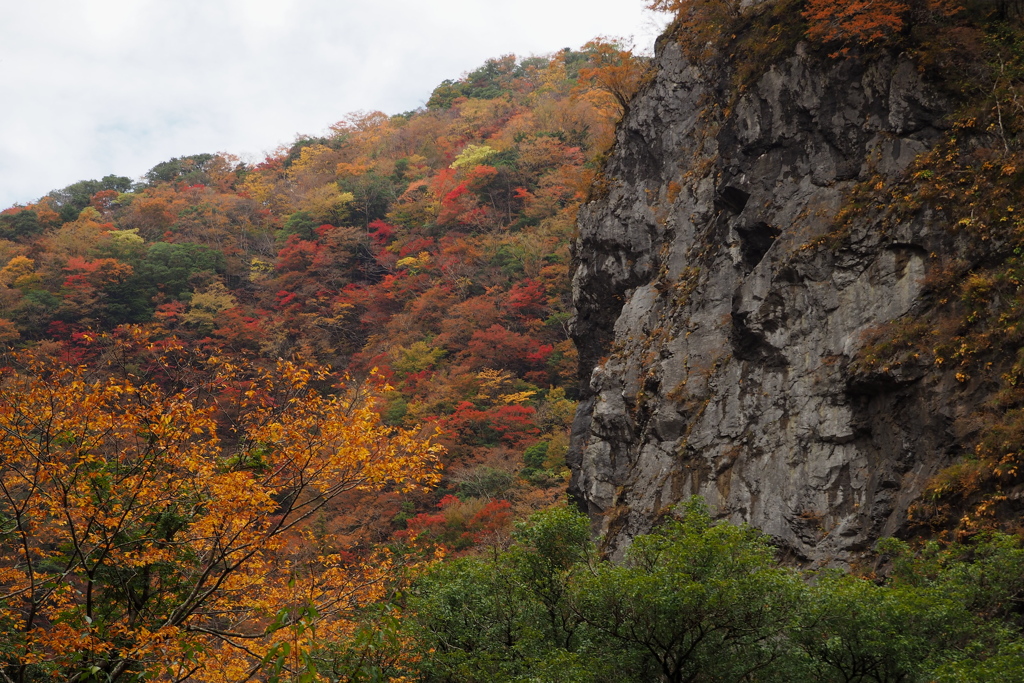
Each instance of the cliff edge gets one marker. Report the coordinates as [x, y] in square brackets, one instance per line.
[728, 279]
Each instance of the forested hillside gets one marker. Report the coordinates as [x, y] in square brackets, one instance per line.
[307, 419]
[230, 389]
[431, 245]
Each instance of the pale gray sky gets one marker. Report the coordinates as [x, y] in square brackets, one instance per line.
[93, 87]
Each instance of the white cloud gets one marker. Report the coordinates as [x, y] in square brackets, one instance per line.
[93, 87]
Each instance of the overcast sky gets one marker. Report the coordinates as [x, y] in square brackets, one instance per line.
[94, 87]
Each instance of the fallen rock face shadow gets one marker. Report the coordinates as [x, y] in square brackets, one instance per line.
[755, 241]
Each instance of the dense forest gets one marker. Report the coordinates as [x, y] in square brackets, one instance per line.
[306, 420]
[429, 249]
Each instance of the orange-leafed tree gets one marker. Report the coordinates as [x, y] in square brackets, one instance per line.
[840, 24]
[848, 24]
[854, 22]
[151, 533]
[613, 70]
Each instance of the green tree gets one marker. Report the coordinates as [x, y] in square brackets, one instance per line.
[188, 169]
[475, 619]
[506, 617]
[169, 267]
[699, 601]
[855, 630]
[693, 601]
[981, 637]
[24, 223]
[34, 313]
[72, 199]
[550, 549]
[300, 224]
[986, 574]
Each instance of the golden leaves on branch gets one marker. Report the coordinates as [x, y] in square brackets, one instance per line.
[142, 528]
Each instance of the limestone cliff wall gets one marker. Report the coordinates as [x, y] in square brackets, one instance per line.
[719, 314]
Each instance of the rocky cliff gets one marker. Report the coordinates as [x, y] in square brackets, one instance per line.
[723, 295]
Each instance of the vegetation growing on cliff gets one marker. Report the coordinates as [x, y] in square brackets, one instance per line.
[969, 182]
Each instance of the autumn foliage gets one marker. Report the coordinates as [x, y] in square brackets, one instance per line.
[433, 245]
[859, 22]
[865, 23]
[145, 527]
[839, 25]
[191, 491]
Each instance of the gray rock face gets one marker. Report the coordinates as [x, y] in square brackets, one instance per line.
[716, 325]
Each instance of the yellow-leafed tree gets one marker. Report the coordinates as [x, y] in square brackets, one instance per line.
[145, 531]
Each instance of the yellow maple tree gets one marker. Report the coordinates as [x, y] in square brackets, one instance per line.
[144, 529]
